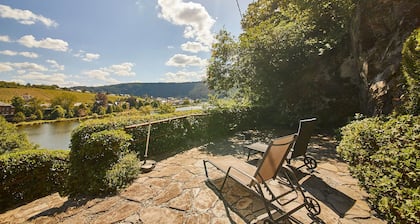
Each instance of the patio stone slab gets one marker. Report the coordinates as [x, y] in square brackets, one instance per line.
[176, 192]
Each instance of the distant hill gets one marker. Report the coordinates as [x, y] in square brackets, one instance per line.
[193, 90]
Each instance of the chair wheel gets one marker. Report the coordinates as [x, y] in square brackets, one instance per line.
[310, 162]
[312, 206]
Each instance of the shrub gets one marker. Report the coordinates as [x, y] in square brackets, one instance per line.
[166, 108]
[19, 117]
[10, 139]
[101, 155]
[58, 112]
[91, 160]
[31, 174]
[384, 154]
[123, 172]
[411, 70]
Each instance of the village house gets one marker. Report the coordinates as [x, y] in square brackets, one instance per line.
[6, 109]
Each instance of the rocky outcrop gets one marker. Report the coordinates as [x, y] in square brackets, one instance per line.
[363, 74]
[379, 29]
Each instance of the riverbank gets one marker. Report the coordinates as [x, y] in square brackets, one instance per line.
[130, 112]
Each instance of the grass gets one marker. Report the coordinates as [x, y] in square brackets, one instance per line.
[46, 95]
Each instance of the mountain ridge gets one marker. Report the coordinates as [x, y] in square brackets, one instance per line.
[193, 90]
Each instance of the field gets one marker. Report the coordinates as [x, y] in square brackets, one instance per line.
[45, 95]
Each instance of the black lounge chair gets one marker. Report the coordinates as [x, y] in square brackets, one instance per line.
[300, 147]
[276, 198]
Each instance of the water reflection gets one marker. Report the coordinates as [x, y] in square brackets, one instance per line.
[50, 135]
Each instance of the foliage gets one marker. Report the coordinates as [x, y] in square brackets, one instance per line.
[101, 157]
[93, 158]
[146, 110]
[123, 172]
[280, 38]
[31, 174]
[384, 155]
[19, 117]
[18, 102]
[65, 100]
[10, 139]
[58, 112]
[223, 70]
[411, 70]
[166, 108]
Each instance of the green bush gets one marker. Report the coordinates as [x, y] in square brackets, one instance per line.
[411, 70]
[91, 160]
[384, 154]
[10, 139]
[123, 172]
[101, 158]
[31, 174]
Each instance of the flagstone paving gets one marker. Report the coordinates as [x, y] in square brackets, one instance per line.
[176, 192]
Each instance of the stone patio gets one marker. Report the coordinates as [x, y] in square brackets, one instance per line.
[176, 192]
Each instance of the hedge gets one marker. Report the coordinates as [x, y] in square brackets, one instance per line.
[384, 154]
[31, 174]
[92, 162]
[11, 139]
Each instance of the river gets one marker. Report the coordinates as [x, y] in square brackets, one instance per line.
[54, 135]
[57, 135]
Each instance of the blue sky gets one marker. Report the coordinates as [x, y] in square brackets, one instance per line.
[103, 42]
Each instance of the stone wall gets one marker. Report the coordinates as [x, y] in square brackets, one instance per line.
[379, 29]
[363, 75]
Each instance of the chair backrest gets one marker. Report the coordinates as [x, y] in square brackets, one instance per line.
[274, 157]
[306, 127]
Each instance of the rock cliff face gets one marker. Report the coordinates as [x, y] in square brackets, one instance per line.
[379, 29]
[363, 74]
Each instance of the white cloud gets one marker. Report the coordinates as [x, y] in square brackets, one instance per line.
[47, 43]
[104, 74]
[59, 79]
[9, 53]
[194, 47]
[123, 69]
[29, 54]
[100, 75]
[25, 16]
[24, 53]
[5, 67]
[55, 65]
[184, 76]
[91, 57]
[87, 56]
[182, 60]
[21, 67]
[4, 38]
[193, 16]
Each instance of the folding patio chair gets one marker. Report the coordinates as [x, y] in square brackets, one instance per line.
[257, 179]
[299, 148]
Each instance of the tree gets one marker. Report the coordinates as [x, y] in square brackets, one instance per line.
[11, 139]
[65, 100]
[39, 114]
[279, 37]
[32, 106]
[411, 70]
[58, 112]
[146, 110]
[82, 110]
[133, 102]
[166, 108]
[19, 117]
[101, 103]
[19, 103]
